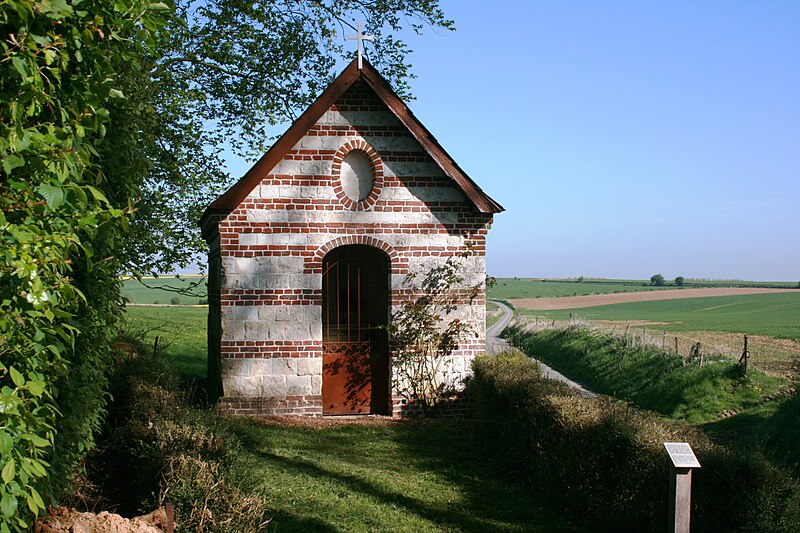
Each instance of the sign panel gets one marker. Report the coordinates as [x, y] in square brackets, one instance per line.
[682, 455]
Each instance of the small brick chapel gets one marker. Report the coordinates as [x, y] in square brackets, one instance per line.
[309, 250]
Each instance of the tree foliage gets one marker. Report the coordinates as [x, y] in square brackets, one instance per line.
[657, 280]
[679, 281]
[232, 70]
[113, 118]
[61, 225]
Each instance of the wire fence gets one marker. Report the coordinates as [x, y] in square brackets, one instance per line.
[778, 357]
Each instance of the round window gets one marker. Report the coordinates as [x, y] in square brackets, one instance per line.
[357, 177]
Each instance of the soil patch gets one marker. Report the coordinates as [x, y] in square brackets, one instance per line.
[61, 519]
[592, 300]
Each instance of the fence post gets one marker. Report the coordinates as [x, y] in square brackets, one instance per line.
[676, 345]
[745, 355]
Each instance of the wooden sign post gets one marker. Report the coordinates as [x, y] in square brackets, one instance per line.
[680, 485]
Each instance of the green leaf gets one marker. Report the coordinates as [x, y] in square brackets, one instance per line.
[116, 93]
[37, 498]
[11, 161]
[36, 440]
[16, 377]
[21, 66]
[8, 505]
[53, 195]
[9, 470]
[5, 442]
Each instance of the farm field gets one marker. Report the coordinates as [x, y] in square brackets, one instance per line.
[774, 315]
[137, 293]
[181, 332]
[517, 288]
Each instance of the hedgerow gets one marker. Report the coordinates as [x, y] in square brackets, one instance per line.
[604, 461]
[62, 222]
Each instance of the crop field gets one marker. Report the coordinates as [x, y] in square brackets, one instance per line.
[774, 315]
[517, 288]
[151, 292]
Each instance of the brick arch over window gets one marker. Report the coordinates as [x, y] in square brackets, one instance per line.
[377, 173]
[398, 264]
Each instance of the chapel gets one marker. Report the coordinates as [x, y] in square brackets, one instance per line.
[309, 251]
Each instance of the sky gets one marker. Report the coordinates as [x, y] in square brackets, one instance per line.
[624, 139]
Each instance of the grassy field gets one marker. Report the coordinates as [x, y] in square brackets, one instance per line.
[369, 475]
[150, 290]
[774, 315]
[181, 332]
[511, 288]
[387, 476]
[648, 378]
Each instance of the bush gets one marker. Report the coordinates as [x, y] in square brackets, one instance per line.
[175, 300]
[657, 280]
[679, 281]
[605, 461]
[128, 298]
[183, 455]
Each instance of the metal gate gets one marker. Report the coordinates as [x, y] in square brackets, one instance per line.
[355, 311]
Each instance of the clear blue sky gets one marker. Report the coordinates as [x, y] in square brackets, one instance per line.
[624, 139]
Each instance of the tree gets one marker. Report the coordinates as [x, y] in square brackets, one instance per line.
[62, 224]
[679, 281]
[424, 332]
[230, 71]
[657, 280]
[113, 117]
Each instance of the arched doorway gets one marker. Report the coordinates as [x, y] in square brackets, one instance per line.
[355, 311]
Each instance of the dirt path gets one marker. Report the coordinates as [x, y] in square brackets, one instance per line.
[591, 300]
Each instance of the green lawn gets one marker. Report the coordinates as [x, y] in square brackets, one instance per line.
[387, 476]
[181, 333]
[774, 315]
[150, 290]
[368, 475]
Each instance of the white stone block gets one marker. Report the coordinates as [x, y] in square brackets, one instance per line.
[257, 331]
[437, 194]
[232, 329]
[311, 366]
[298, 385]
[284, 366]
[304, 168]
[316, 384]
[394, 144]
[409, 169]
[240, 312]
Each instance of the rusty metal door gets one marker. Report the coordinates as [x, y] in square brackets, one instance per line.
[355, 311]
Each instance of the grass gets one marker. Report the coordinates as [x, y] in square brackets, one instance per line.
[774, 315]
[386, 476]
[648, 378]
[516, 288]
[181, 332]
[152, 291]
[773, 427]
[367, 475]
[493, 314]
[511, 288]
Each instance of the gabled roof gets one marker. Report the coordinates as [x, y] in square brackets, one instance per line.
[239, 191]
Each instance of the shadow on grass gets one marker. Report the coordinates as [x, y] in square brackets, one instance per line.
[773, 428]
[433, 470]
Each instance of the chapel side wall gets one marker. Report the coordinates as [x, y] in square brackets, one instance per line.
[213, 370]
[272, 247]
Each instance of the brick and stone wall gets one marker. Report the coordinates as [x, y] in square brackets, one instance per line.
[270, 249]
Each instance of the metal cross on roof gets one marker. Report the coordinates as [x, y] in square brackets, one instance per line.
[360, 37]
